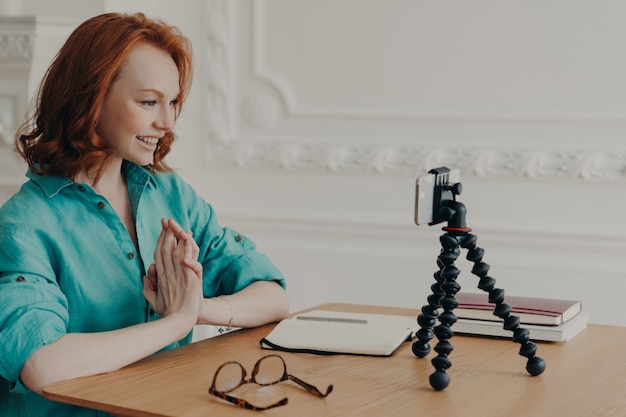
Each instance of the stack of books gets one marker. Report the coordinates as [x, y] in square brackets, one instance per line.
[546, 319]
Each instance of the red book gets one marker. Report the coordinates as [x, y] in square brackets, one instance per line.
[530, 310]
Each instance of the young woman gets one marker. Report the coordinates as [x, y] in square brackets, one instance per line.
[106, 255]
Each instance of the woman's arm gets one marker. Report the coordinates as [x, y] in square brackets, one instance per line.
[259, 303]
[82, 354]
[175, 293]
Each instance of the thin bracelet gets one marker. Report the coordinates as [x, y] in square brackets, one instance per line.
[230, 306]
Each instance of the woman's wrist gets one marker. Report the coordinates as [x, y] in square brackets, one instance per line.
[180, 323]
[229, 326]
[217, 311]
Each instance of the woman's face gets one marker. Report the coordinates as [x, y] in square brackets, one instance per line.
[140, 105]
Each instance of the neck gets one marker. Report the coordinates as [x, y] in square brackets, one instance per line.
[109, 181]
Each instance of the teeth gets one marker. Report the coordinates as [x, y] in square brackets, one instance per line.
[151, 141]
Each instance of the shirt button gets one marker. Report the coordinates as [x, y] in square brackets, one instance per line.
[81, 187]
[100, 205]
[238, 238]
[131, 255]
[20, 279]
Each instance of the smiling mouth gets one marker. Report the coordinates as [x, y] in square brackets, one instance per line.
[148, 140]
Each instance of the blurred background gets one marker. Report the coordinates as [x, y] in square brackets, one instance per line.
[309, 122]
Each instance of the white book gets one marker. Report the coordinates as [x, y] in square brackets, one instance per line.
[326, 332]
[561, 333]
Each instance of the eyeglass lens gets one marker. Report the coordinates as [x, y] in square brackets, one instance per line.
[229, 376]
[268, 370]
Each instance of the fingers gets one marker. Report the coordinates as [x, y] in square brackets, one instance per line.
[175, 227]
[181, 235]
[175, 274]
[195, 266]
[151, 274]
[158, 254]
[177, 258]
[190, 257]
[184, 258]
[149, 290]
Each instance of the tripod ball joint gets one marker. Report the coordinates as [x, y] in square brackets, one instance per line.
[439, 380]
[535, 366]
[420, 349]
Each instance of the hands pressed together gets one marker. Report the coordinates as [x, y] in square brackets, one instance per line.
[173, 284]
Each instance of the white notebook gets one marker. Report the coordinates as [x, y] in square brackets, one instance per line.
[327, 332]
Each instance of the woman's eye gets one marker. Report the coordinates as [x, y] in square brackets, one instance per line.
[149, 103]
[174, 102]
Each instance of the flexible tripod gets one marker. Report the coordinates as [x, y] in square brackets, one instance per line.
[457, 235]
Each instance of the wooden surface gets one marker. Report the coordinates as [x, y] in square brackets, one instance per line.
[585, 376]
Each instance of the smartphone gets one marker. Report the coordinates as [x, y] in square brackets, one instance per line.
[431, 190]
[424, 194]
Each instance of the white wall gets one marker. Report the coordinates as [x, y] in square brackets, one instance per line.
[310, 121]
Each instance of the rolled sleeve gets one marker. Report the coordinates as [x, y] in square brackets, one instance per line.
[233, 263]
[33, 309]
[33, 314]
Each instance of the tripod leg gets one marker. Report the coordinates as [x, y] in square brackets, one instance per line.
[534, 365]
[428, 318]
[443, 296]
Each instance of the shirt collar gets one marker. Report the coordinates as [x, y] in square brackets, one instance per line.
[138, 175]
[51, 185]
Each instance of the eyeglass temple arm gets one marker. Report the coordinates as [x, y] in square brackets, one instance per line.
[240, 402]
[310, 387]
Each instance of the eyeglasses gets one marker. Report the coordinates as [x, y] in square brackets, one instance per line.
[268, 370]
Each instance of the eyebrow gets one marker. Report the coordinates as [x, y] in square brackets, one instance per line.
[155, 91]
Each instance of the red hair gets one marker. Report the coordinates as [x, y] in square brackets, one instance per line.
[60, 138]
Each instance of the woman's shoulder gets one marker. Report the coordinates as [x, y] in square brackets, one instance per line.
[25, 199]
[26, 208]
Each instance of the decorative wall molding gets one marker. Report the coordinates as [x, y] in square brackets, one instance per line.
[419, 102]
[338, 158]
[263, 102]
[17, 43]
[27, 45]
[260, 110]
[7, 116]
[16, 47]
[260, 70]
[218, 70]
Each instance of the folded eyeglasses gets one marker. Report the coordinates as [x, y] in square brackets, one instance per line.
[269, 370]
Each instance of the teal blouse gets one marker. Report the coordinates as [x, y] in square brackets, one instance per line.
[67, 264]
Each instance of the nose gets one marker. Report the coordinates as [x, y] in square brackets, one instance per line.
[166, 119]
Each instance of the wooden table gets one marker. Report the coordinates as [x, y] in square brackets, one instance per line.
[584, 377]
